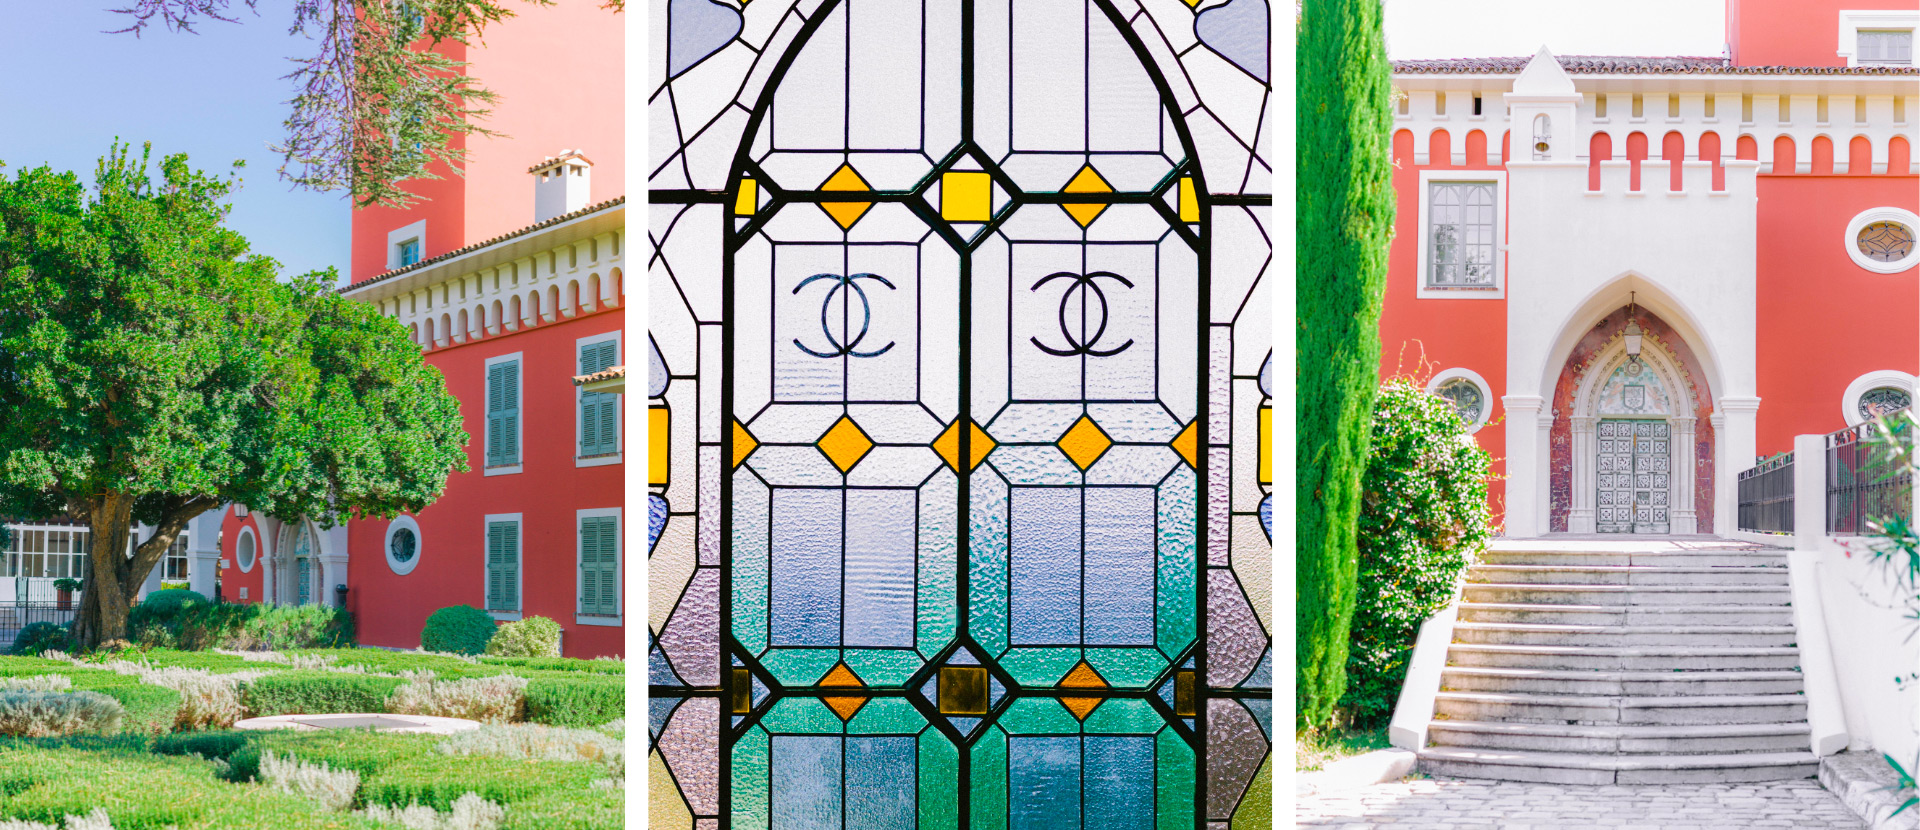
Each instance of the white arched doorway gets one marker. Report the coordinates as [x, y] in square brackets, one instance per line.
[296, 565]
[1632, 428]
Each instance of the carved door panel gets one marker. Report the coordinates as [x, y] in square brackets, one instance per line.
[1635, 476]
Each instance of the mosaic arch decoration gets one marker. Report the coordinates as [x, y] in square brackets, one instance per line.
[959, 389]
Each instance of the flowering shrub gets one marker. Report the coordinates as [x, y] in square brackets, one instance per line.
[534, 742]
[1423, 517]
[470, 812]
[330, 788]
[531, 637]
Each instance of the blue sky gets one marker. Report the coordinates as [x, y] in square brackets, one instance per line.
[67, 88]
[1517, 28]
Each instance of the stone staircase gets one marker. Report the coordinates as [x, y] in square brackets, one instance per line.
[1623, 662]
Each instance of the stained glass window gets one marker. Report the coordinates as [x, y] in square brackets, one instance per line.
[1884, 400]
[961, 372]
[1886, 241]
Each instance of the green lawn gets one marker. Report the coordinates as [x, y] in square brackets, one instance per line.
[555, 760]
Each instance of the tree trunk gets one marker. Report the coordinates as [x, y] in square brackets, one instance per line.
[116, 576]
[110, 592]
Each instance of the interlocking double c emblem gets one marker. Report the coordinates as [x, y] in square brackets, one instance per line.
[1084, 285]
[852, 283]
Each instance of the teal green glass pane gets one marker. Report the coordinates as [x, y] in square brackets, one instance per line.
[1127, 668]
[1178, 560]
[751, 796]
[939, 563]
[987, 561]
[1173, 764]
[800, 666]
[987, 788]
[1039, 667]
[750, 500]
[939, 790]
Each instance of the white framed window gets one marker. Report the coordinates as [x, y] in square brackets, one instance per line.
[1876, 393]
[177, 567]
[1469, 394]
[403, 544]
[402, 241]
[596, 422]
[597, 566]
[246, 549]
[1882, 240]
[1462, 225]
[1877, 37]
[503, 587]
[503, 400]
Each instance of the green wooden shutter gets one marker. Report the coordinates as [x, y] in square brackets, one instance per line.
[599, 566]
[510, 560]
[510, 413]
[589, 566]
[609, 565]
[496, 383]
[496, 571]
[599, 413]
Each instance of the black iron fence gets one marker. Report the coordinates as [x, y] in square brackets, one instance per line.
[1766, 496]
[1868, 479]
[16, 616]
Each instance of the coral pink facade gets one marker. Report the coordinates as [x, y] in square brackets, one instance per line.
[484, 281]
[1728, 207]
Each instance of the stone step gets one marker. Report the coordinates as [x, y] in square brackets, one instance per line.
[1623, 635]
[1622, 739]
[1629, 683]
[1597, 709]
[1571, 614]
[1623, 658]
[1589, 594]
[1574, 768]
[1624, 575]
[1681, 558]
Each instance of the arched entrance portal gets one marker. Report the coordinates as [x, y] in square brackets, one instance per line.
[1632, 441]
[297, 565]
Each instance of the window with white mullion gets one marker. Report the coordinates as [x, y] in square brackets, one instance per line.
[1460, 235]
[1885, 46]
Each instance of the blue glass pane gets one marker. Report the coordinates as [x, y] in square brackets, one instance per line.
[806, 567]
[1046, 565]
[1120, 560]
[880, 567]
[880, 783]
[806, 782]
[1043, 776]
[1120, 781]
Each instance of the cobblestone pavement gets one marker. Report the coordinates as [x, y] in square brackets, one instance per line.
[1455, 804]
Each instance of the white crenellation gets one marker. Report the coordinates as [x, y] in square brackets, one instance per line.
[564, 281]
[1761, 116]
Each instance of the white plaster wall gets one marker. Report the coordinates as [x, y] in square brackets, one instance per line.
[1871, 643]
[1573, 256]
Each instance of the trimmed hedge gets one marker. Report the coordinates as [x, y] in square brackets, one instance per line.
[220, 744]
[458, 629]
[437, 780]
[316, 692]
[585, 701]
[39, 636]
[141, 791]
[362, 750]
[597, 808]
[241, 626]
[150, 710]
[566, 664]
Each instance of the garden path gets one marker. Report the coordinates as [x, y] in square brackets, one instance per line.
[1455, 804]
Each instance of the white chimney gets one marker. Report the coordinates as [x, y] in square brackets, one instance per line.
[560, 184]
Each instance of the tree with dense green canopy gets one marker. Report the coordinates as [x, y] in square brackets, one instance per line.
[1344, 205]
[153, 368]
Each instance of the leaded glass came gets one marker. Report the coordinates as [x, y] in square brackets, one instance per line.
[1884, 400]
[1466, 398]
[1886, 241]
[1460, 235]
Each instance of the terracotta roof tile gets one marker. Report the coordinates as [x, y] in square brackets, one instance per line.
[1629, 65]
[608, 373]
[478, 245]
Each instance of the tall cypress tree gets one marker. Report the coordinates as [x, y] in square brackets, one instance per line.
[1344, 201]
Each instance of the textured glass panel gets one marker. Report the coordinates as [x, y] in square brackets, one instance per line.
[900, 375]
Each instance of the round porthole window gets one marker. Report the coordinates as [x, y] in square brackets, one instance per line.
[1468, 393]
[1882, 240]
[403, 544]
[245, 551]
[1884, 400]
[1877, 393]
